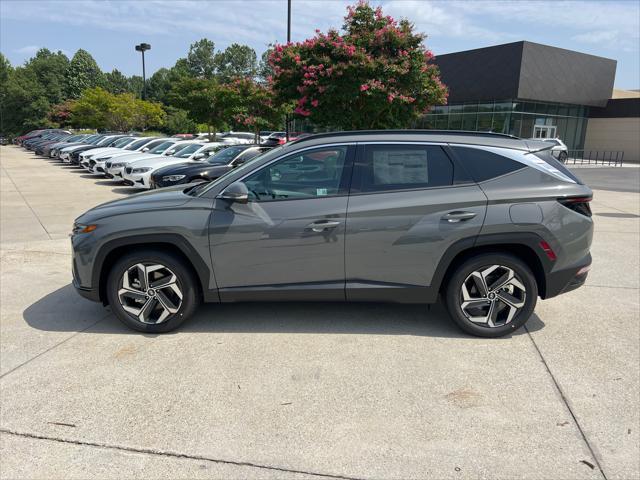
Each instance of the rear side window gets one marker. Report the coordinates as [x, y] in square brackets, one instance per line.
[547, 156]
[483, 165]
[402, 167]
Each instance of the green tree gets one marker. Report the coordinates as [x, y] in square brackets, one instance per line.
[116, 82]
[92, 109]
[135, 85]
[159, 85]
[207, 101]
[61, 114]
[265, 70]
[254, 106]
[24, 101]
[236, 61]
[6, 70]
[201, 59]
[83, 72]
[178, 121]
[49, 69]
[376, 75]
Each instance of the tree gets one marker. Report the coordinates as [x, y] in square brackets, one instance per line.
[376, 75]
[116, 82]
[265, 71]
[201, 59]
[83, 72]
[236, 61]
[91, 109]
[135, 85]
[254, 106]
[24, 101]
[178, 121]
[207, 101]
[159, 85]
[61, 114]
[50, 69]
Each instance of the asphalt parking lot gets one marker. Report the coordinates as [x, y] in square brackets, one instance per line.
[308, 390]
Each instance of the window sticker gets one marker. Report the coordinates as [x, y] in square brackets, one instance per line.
[399, 167]
[321, 192]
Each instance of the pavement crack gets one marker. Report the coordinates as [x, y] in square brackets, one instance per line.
[28, 205]
[566, 404]
[52, 347]
[171, 454]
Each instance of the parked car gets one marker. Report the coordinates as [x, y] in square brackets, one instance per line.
[204, 171]
[488, 221]
[97, 162]
[236, 138]
[559, 149]
[280, 138]
[108, 141]
[50, 149]
[118, 146]
[138, 174]
[114, 168]
[64, 154]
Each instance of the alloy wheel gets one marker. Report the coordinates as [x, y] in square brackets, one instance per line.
[492, 296]
[150, 292]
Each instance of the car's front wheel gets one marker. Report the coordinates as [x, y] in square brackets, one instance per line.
[152, 291]
[491, 295]
[562, 156]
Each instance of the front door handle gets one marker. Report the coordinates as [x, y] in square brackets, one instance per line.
[456, 217]
[322, 225]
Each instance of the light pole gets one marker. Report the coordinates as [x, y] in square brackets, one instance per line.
[143, 47]
[286, 118]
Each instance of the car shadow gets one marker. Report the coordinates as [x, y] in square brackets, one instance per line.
[65, 310]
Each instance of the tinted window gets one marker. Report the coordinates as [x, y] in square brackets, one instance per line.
[548, 157]
[138, 143]
[225, 156]
[161, 147]
[402, 167]
[309, 174]
[483, 165]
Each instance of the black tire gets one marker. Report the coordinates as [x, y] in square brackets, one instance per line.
[186, 281]
[562, 157]
[453, 293]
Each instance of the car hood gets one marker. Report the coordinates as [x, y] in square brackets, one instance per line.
[157, 162]
[145, 201]
[73, 148]
[101, 150]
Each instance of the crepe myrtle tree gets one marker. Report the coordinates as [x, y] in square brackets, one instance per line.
[377, 74]
[254, 106]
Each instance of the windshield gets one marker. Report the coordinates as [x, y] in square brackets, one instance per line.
[189, 150]
[96, 140]
[138, 143]
[178, 147]
[203, 187]
[123, 141]
[161, 148]
[225, 156]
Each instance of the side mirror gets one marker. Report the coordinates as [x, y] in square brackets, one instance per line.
[236, 192]
[145, 149]
[198, 156]
[237, 163]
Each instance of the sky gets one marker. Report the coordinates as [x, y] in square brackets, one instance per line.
[109, 30]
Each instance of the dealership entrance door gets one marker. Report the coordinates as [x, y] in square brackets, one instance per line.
[544, 131]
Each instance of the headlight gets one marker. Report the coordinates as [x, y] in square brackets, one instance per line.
[117, 165]
[141, 170]
[173, 178]
[80, 228]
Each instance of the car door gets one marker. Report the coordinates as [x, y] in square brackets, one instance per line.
[288, 240]
[407, 205]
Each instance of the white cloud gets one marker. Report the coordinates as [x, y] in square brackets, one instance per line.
[28, 50]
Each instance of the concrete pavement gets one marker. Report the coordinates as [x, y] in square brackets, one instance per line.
[306, 390]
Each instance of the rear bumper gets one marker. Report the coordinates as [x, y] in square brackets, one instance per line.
[567, 279]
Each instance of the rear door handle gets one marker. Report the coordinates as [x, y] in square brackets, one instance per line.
[322, 225]
[456, 217]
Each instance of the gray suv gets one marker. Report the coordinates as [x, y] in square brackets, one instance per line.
[488, 222]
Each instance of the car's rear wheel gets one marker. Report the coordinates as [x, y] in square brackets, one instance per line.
[152, 291]
[562, 156]
[491, 295]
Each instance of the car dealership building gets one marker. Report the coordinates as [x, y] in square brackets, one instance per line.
[538, 91]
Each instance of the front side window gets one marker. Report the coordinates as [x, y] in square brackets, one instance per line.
[161, 147]
[138, 143]
[402, 167]
[188, 150]
[309, 174]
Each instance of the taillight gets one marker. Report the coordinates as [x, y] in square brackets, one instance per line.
[282, 141]
[577, 204]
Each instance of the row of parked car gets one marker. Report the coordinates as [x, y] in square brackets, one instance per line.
[150, 162]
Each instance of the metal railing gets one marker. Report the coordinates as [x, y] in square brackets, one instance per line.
[595, 157]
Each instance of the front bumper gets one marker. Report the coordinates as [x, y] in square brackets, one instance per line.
[138, 180]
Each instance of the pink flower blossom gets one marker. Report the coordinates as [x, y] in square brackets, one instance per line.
[314, 103]
[364, 87]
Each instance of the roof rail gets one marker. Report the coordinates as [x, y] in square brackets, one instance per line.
[405, 132]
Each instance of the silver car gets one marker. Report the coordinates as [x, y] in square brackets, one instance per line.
[486, 222]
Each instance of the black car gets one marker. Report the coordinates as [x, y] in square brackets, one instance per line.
[207, 170]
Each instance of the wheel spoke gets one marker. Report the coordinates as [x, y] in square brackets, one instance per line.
[480, 282]
[166, 302]
[511, 300]
[147, 309]
[502, 281]
[142, 276]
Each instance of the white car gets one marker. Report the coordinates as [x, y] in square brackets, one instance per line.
[237, 138]
[117, 146]
[559, 149]
[138, 174]
[65, 153]
[115, 167]
[142, 145]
